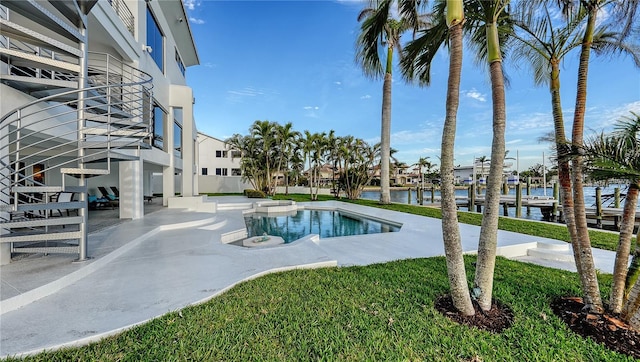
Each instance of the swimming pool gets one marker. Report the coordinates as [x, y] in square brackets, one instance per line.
[326, 223]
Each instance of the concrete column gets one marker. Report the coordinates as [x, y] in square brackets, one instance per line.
[168, 179]
[188, 152]
[131, 190]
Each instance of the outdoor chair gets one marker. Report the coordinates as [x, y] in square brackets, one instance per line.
[115, 191]
[96, 202]
[106, 194]
[64, 197]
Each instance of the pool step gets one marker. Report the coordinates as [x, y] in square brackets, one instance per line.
[553, 252]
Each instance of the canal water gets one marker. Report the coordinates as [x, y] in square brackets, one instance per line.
[401, 196]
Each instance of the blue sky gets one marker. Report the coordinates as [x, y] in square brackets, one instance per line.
[293, 61]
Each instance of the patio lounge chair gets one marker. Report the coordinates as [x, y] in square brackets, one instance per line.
[63, 197]
[115, 191]
[96, 202]
[107, 195]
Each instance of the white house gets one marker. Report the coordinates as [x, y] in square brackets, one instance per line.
[94, 94]
[218, 167]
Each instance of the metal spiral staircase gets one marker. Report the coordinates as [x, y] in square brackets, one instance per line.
[86, 109]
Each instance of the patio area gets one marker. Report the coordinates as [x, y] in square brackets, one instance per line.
[172, 258]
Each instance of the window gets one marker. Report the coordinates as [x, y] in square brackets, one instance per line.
[158, 127]
[221, 171]
[177, 132]
[236, 154]
[155, 40]
[180, 63]
[221, 154]
[38, 174]
[236, 172]
[205, 171]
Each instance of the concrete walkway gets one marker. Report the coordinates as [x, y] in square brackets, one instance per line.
[173, 258]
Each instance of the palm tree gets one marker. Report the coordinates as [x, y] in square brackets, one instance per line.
[621, 17]
[450, 230]
[617, 156]
[380, 28]
[486, 38]
[285, 139]
[544, 45]
[264, 133]
[482, 160]
[423, 162]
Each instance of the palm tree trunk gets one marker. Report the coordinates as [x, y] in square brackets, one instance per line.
[631, 310]
[564, 172]
[450, 230]
[624, 247]
[489, 229]
[385, 134]
[588, 277]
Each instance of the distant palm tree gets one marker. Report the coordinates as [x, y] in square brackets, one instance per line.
[482, 160]
[286, 140]
[423, 162]
[380, 28]
[264, 133]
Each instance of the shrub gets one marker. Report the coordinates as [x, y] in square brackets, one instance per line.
[254, 194]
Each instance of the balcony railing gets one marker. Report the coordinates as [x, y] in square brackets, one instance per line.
[125, 14]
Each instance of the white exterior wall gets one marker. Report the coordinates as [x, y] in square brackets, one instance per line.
[207, 147]
[212, 183]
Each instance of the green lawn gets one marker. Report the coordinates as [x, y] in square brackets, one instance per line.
[379, 312]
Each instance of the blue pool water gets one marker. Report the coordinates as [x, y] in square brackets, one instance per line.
[326, 223]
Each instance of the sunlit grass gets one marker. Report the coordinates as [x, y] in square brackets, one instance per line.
[380, 312]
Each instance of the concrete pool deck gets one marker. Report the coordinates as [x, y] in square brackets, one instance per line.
[173, 258]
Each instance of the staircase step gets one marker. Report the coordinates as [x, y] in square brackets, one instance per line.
[88, 172]
[39, 14]
[103, 156]
[34, 38]
[48, 249]
[549, 254]
[134, 143]
[31, 223]
[67, 235]
[550, 246]
[50, 206]
[36, 61]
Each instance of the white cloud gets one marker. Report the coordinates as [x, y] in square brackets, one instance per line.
[191, 4]
[366, 96]
[337, 83]
[196, 21]
[310, 108]
[474, 94]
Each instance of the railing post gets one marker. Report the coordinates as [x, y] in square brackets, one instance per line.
[598, 207]
[82, 84]
[518, 200]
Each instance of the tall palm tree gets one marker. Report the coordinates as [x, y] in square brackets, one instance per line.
[617, 156]
[380, 28]
[448, 19]
[621, 16]
[492, 14]
[544, 45]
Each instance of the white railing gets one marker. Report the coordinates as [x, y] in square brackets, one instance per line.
[48, 132]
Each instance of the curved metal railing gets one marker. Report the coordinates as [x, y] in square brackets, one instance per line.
[48, 133]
